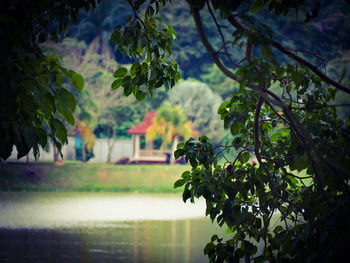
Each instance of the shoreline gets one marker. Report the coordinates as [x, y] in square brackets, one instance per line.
[90, 177]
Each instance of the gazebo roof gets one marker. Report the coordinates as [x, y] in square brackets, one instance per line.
[144, 125]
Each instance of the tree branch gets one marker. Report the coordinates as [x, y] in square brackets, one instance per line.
[258, 157]
[221, 35]
[264, 93]
[213, 54]
[234, 21]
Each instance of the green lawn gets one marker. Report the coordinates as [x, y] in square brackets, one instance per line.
[77, 176]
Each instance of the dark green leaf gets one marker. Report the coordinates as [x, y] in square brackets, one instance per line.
[140, 95]
[179, 183]
[77, 80]
[275, 137]
[245, 157]
[120, 72]
[135, 69]
[256, 6]
[266, 52]
[67, 98]
[61, 131]
[116, 84]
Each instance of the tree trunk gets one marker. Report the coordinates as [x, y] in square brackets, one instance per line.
[110, 143]
[173, 148]
[83, 152]
[55, 153]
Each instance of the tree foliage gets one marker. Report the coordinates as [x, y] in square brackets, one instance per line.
[302, 149]
[169, 122]
[290, 206]
[202, 113]
[34, 101]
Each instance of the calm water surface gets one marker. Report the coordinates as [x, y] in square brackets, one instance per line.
[102, 227]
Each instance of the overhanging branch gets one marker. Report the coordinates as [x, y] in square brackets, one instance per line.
[265, 94]
[237, 24]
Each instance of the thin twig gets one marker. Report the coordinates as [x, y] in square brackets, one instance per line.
[234, 21]
[221, 34]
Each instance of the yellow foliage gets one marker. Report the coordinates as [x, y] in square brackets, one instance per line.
[87, 136]
[157, 127]
[170, 121]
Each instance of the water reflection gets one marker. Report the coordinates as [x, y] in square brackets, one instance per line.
[47, 210]
[103, 239]
[136, 241]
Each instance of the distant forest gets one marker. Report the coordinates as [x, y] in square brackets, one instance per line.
[87, 49]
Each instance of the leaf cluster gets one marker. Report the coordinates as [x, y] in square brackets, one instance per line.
[148, 39]
[34, 103]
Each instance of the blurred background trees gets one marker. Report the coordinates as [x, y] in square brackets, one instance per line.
[89, 40]
[200, 104]
[88, 51]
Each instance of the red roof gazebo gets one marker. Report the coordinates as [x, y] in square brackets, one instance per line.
[148, 155]
[144, 125]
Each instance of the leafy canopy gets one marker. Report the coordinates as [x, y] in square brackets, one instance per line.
[301, 147]
[34, 102]
[282, 115]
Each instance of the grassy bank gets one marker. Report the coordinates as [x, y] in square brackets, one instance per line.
[89, 177]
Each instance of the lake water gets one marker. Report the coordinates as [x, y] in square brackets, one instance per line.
[102, 227]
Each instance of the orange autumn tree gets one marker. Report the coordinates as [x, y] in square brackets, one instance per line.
[87, 138]
[170, 123]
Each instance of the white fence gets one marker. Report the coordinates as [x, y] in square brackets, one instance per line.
[122, 148]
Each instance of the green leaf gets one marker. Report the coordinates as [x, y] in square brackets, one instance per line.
[179, 183]
[223, 107]
[144, 68]
[245, 157]
[186, 175]
[59, 80]
[266, 52]
[42, 136]
[139, 49]
[178, 153]
[256, 6]
[77, 80]
[229, 230]
[278, 229]
[61, 131]
[117, 83]
[120, 72]
[140, 95]
[209, 249]
[275, 137]
[285, 132]
[186, 195]
[301, 163]
[66, 98]
[296, 77]
[127, 85]
[68, 116]
[135, 69]
[22, 149]
[172, 31]
[65, 112]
